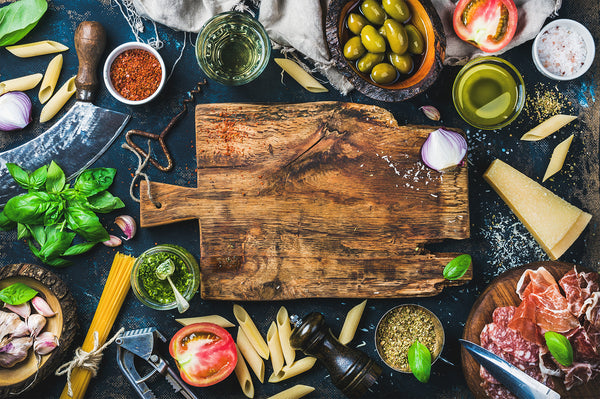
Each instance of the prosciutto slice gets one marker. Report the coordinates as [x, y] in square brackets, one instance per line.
[591, 309]
[578, 288]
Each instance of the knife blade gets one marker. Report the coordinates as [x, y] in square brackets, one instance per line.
[514, 379]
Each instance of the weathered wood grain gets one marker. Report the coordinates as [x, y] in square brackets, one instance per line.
[320, 199]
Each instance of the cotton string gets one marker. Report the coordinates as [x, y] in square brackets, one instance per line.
[138, 172]
[86, 360]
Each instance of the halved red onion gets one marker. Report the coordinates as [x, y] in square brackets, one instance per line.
[15, 111]
[443, 149]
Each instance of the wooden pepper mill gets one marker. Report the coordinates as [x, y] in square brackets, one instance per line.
[351, 370]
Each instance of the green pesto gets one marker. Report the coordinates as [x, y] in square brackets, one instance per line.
[159, 290]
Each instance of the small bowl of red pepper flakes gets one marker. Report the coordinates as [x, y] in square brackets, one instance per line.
[134, 73]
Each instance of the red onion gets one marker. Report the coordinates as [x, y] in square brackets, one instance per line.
[15, 111]
[443, 149]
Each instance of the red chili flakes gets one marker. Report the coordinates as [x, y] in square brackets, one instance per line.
[135, 74]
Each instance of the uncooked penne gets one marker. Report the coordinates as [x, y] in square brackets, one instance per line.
[298, 367]
[275, 348]
[254, 360]
[301, 76]
[215, 319]
[295, 392]
[246, 323]
[58, 100]
[285, 331]
[50, 78]
[351, 323]
[20, 84]
[547, 127]
[36, 48]
[243, 376]
[558, 158]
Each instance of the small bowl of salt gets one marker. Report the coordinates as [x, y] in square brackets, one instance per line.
[563, 50]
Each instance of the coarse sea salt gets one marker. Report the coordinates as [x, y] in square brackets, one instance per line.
[562, 51]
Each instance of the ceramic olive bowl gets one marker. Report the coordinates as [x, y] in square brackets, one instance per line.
[427, 21]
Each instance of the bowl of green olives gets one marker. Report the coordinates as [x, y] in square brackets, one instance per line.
[390, 50]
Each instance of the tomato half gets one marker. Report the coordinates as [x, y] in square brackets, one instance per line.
[487, 24]
[205, 353]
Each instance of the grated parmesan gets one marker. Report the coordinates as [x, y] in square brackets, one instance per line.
[562, 51]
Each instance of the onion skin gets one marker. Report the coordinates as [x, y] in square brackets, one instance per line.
[15, 111]
[443, 149]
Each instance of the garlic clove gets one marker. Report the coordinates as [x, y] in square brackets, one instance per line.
[127, 224]
[42, 307]
[45, 343]
[22, 330]
[36, 323]
[22, 310]
[14, 351]
[431, 112]
[114, 241]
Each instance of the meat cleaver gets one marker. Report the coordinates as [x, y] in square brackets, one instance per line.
[83, 134]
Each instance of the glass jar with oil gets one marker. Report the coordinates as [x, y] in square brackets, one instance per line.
[488, 93]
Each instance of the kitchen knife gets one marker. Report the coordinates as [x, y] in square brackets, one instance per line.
[514, 379]
[83, 134]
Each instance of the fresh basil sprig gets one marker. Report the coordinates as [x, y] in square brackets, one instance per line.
[560, 347]
[52, 213]
[419, 360]
[18, 18]
[457, 267]
[17, 293]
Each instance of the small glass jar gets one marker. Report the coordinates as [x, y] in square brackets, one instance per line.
[145, 266]
[233, 48]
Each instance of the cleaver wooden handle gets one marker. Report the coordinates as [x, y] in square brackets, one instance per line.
[90, 41]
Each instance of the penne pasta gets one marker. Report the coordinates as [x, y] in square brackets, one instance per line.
[547, 127]
[285, 331]
[295, 392]
[20, 84]
[298, 367]
[558, 158]
[36, 48]
[246, 323]
[351, 323]
[252, 357]
[243, 376]
[58, 100]
[50, 78]
[215, 319]
[300, 75]
[275, 348]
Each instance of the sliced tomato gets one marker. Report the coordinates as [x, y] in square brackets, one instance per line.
[487, 24]
[205, 353]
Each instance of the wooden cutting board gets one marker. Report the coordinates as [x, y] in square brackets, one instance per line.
[323, 199]
[502, 292]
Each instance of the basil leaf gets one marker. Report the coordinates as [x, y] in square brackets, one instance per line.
[57, 242]
[54, 214]
[38, 233]
[93, 181]
[28, 208]
[79, 248]
[33, 249]
[59, 262]
[22, 231]
[419, 360]
[86, 224]
[37, 179]
[560, 347]
[20, 176]
[5, 223]
[17, 293]
[104, 202]
[457, 267]
[55, 180]
[19, 18]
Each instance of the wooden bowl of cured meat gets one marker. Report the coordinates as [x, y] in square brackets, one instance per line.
[27, 357]
[506, 319]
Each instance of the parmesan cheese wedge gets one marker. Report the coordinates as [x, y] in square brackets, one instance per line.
[558, 158]
[547, 127]
[554, 223]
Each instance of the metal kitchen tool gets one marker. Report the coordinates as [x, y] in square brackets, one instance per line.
[514, 379]
[137, 345]
[83, 134]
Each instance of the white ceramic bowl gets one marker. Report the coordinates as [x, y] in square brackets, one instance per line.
[111, 58]
[585, 35]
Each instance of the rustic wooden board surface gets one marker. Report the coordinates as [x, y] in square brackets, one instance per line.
[324, 199]
[501, 292]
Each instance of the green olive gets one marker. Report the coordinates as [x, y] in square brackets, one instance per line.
[396, 36]
[368, 61]
[354, 49]
[382, 31]
[356, 22]
[372, 40]
[402, 62]
[397, 9]
[416, 43]
[383, 73]
[372, 10]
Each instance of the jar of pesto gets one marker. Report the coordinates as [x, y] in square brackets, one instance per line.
[156, 293]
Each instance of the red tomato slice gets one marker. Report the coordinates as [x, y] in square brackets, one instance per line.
[205, 353]
[487, 24]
